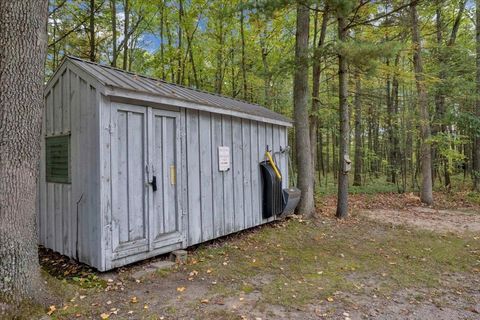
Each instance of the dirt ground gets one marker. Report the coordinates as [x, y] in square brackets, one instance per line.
[392, 259]
[458, 221]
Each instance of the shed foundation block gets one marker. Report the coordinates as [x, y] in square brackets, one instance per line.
[179, 256]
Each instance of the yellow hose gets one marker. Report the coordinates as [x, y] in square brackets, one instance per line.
[274, 166]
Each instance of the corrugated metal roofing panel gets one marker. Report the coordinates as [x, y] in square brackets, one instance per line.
[126, 80]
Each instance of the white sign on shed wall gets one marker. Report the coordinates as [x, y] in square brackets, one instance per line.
[223, 158]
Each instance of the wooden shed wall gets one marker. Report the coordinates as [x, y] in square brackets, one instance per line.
[219, 203]
[66, 210]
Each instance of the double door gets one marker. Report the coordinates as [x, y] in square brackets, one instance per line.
[145, 191]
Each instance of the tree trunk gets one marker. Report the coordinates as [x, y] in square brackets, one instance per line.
[357, 176]
[219, 72]
[162, 39]
[266, 72]
[396, 154]
[476, 180]
[244, 66]
[316, 73]
[180, 36]
[300, 100]
[126, 33]
[92, 31]
[23, 43]
[113, 6]
[342, 201]
[426, 195]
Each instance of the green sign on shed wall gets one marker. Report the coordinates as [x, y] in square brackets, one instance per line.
[58, 159]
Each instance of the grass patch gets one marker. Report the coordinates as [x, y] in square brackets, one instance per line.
[294, 263]
[163, 272]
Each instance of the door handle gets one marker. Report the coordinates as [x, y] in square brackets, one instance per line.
[154, 183]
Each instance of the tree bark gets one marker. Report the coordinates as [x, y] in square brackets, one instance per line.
[316, 73]
[162, 39]
[357, 176]
[300, 100]
[126, 33]
[426, 195]
[23, 43]
[113, 8]
[476, 179]
[244, 64]
[342, 198]
[180, 36]
[92, 31]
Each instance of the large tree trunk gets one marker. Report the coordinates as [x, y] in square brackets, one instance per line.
[300, 101]
[23, 43]
[342, 201]
[357, 176]
[426, 195]
[476, 180]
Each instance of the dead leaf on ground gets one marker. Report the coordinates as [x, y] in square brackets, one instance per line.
[51, 310]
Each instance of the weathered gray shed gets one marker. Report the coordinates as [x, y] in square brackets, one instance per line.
[109, 133]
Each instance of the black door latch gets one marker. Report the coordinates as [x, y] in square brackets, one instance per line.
[154, 183]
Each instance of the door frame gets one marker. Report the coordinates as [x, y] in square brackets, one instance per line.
[148, 245]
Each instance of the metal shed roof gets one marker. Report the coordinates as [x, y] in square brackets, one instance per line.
[121, 79]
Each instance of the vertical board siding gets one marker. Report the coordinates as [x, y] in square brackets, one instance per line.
[71, 108]
[228, 196]
[237, 168]
[206, 200]
[193, 178]
[247, 174]
[217, 185]
[159, 171]
[254, 163]
[220, 203]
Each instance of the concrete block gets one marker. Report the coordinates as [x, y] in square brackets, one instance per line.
[179, 256]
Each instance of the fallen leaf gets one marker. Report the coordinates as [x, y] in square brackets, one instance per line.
[205, 301]
[193, 273]
[330, 299]
[181, 289]
[105, 315]
[51, 310]
[134, 299]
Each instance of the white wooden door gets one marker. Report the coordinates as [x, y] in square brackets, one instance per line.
[165, 222]
[130, 186]
[145, 189]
